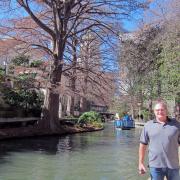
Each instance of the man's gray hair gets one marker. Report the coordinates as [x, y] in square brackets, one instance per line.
[162, 102]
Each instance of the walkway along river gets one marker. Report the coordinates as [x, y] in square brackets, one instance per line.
[104, 155]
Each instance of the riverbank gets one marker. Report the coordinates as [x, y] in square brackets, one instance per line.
[21, 132]
[139, 123]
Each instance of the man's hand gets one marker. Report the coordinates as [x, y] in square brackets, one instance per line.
[142, 150]
[142, 169]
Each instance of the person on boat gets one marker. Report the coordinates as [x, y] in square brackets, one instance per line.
[162, 136]
[126, 116]
[117, 116]
[117, 121]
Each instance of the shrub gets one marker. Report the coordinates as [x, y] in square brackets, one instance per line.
[20, 60]
[30, 101]
[98, 125]
[36, 63]
[89, 118]
[2, 71]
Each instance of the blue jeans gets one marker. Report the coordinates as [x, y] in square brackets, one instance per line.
[160, 173]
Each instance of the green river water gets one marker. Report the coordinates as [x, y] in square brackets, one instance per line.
[103, 155]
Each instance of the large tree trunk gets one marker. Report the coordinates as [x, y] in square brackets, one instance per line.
[50, 113]
[50, 119]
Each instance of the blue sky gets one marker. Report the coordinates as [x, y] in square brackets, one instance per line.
[132, 23]
[136, 17]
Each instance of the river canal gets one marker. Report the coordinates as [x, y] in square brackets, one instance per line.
[103, 155]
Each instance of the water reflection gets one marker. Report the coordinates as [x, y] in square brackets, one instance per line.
[101, 155]
[47, 145]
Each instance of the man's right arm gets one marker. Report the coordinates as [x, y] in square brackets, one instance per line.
[142, 152]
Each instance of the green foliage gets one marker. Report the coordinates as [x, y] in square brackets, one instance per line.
[1, 77]
[1, 71]
[154, 67]
[25, 77]
[89, 118]
[145, 113]
[21, 60]
[36, 63]
[98, 124]
[25, 81]
[27, 100]
[11, 69]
